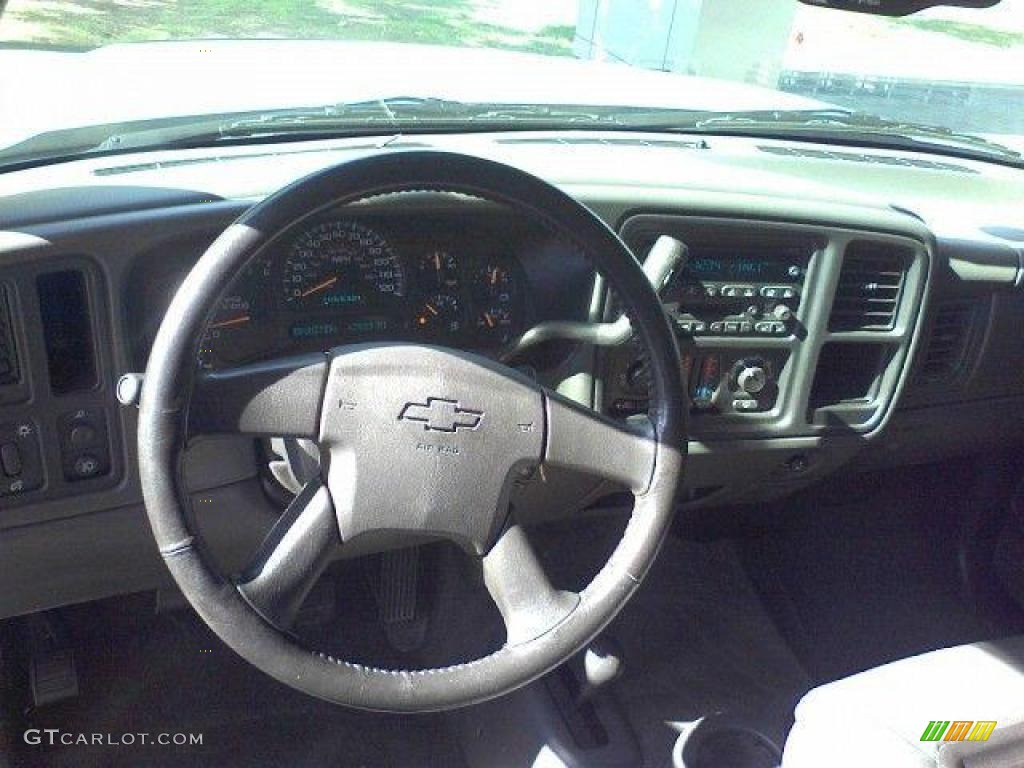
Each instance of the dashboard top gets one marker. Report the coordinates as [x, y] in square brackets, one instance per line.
[714, 172]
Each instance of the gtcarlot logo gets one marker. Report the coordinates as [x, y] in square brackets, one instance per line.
[54, 737]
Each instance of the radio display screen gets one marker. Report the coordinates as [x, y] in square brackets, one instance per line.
[787, 265]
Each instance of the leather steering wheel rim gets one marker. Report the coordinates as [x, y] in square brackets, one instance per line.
[563, 627]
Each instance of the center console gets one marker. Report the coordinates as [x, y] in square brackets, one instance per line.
[784, 329]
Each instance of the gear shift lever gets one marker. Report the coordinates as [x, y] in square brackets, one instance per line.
[602, 665]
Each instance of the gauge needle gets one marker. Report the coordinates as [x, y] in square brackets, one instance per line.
[431, 310]
[488, 319]
[437, 260]
[232, 321]
[325, 284]
[494, 276]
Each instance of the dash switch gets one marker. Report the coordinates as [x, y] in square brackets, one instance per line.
[21, 463]
[10, 459]
[84, 447]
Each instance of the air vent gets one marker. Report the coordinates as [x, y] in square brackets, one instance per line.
[578, 141]
[865, 157]
[8, 351]
[870, 284]
[945, 357]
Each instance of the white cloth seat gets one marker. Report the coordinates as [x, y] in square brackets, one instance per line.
[878, 717]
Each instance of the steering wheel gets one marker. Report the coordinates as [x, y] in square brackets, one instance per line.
[413, 438]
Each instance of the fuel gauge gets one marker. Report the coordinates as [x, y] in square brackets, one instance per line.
[438, 270]
[494, 281]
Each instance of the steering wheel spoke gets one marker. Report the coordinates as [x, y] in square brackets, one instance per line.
[584, 440]
[529, 604]
[292, 557]
[279, 398]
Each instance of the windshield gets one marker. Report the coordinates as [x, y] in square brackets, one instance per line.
[92, 76]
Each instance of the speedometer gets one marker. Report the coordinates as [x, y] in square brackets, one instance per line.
[342, 265]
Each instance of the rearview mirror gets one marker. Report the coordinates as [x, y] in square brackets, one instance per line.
[895, 7]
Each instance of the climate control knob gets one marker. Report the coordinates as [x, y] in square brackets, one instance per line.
[752, 379]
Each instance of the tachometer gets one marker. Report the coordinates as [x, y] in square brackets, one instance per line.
[341, 265]
[236, 333]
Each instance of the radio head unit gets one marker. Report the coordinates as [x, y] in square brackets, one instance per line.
[725, 290]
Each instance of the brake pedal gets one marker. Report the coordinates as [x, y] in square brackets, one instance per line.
[53, 674]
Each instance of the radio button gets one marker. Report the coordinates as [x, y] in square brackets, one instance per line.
[700, 327]
[746, 327]
[732, 327]
[771, 292]
[717, 327]
[745, 405]
[763, 327]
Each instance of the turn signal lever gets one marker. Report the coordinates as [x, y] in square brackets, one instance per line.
[666, 256]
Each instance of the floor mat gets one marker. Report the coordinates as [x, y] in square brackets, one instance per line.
[867, 573]
[168, 674]
[695, 638]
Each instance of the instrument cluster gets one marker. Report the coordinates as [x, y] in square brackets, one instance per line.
[342, 280]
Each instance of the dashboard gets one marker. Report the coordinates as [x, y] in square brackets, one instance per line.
[832, 313]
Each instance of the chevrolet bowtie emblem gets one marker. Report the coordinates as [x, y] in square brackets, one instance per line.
[440, 415]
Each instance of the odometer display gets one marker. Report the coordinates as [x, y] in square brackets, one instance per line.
[341, 266]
